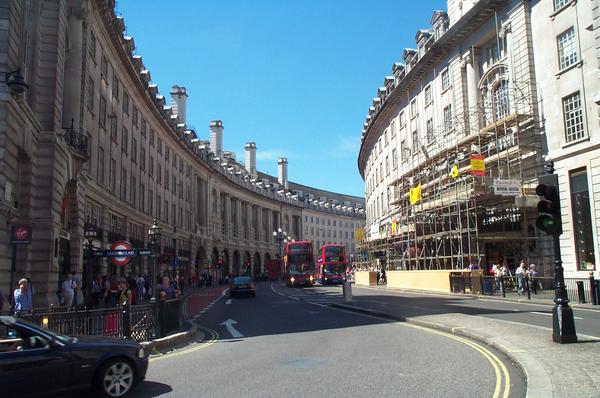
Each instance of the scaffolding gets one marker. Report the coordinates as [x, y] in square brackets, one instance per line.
[461, 218]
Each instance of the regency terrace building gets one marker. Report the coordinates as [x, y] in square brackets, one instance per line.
[456, 139]
[88, 139]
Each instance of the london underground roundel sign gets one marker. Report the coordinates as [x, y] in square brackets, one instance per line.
[121, 245]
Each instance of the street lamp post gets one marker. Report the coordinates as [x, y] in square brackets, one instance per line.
[281, 237]
[89, 232]
[174, 238]
[154, 233]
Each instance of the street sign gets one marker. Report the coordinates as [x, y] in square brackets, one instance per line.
[122, 253]
[505, 187]
[126, 251]
[20, 235]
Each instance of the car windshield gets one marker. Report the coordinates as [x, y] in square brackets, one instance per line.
[242, 280]
[334, 269]
[334, 253]
[301, 269]
[21, 322]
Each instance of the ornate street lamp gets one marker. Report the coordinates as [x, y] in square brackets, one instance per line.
[89, 232]
[281, 237]
[154, 233]
[174, 239]
[15, 81]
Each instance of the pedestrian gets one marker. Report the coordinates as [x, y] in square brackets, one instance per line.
[495, 273]
[139, 283]
[533, 282]
[521, 274]
[125, 295]
[114, 291]
[67, 291]
[77, 295]
[168, 289]
[383, 275]
[96, 290]
[22, 298]
[106, 291]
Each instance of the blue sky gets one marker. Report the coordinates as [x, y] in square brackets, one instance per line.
[296, 76]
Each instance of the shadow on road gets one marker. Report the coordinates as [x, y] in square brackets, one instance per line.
[150, 389]
[257, 314]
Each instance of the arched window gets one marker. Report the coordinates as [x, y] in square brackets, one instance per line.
[501, 100]
[495, 92]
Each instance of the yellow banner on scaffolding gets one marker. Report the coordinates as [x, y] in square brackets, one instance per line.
[454, 172]
[478, 165]
[415, 195]
[359, 234]
[394, 227]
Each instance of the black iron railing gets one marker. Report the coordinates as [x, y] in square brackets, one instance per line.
[578, 289]
[77, 142]
[141, 322]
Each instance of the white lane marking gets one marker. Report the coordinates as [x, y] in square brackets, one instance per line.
[228, 301]
[547, 314]
[224, 292]
[232, 331]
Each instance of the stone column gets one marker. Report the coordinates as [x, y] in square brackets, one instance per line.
[72, 85]
[472, 72]
[259, 225]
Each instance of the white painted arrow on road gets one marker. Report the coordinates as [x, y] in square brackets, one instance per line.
[229, 301]
[232, 331]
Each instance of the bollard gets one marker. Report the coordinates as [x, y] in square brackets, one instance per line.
[528, 287]
[580, 292]
[502, 287]
[347, 289]
[593, 296]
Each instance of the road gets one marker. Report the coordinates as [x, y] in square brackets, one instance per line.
[587, 322]
[279, 345]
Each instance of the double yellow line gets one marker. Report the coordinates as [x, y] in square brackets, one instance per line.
[502, 388]
[211, 337]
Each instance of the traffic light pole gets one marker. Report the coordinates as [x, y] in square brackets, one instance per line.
[563, 323]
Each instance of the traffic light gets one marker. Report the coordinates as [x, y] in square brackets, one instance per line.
[549, 205]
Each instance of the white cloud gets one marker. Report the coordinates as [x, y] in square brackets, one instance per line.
[274, 154]
[345, 146]
[268, 155]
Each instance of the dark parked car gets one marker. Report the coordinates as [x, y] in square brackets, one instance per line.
[36, 361]
[242, 285]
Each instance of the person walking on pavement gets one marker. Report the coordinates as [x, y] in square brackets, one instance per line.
[67, 291]
[521, 274]
[533, 282]
[125, 295]
[22, 298]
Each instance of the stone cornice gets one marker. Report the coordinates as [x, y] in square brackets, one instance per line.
[465, 26]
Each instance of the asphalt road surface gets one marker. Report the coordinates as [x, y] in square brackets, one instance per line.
[281, 345]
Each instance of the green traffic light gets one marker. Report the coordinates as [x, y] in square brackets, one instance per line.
[548, 224]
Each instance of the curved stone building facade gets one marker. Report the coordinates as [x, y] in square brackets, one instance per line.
[457, 138]
[453, 121]
[91, 140]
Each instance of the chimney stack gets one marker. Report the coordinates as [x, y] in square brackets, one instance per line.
[216, 137]
[282, 171]
[179, 102]
[250, 159]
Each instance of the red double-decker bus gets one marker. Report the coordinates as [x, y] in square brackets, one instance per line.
[299, 263]
[331, 264]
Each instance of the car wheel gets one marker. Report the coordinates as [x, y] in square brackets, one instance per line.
[116, 378]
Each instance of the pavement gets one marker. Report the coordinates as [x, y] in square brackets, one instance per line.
[551, 369]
